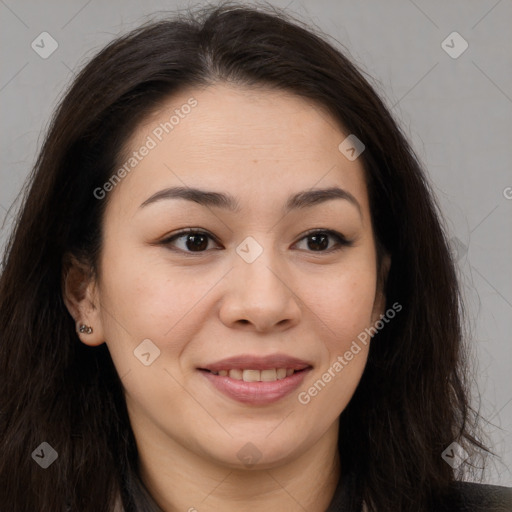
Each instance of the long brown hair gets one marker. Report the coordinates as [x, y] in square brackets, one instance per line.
[412, 401]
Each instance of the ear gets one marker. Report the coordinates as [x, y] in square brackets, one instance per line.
[379, 305]
[80, 294]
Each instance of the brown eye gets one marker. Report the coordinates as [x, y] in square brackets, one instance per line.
[196, 242]
[318, 242]
[323, 241]
[190, 241]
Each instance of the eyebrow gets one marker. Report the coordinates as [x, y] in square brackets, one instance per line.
[304, 199]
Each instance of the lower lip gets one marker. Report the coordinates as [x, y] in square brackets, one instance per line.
[256, 393]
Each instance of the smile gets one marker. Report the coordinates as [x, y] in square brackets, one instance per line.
[249, 387]
[270, 375]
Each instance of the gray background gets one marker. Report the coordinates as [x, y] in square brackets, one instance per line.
[456, 111]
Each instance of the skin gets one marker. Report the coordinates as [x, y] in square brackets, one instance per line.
[260, 146]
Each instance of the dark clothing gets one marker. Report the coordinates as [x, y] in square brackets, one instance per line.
[462, 497]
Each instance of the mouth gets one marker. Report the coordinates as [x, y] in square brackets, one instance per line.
[253, 375]
[256, 380]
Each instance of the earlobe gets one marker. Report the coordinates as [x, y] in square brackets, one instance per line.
[80, 296]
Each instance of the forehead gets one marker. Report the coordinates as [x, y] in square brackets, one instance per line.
[251, 142]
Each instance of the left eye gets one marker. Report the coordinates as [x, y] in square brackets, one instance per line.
[322, 241]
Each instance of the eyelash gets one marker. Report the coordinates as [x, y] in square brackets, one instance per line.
[341, 240]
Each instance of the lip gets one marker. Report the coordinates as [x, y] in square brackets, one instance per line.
[246, 361]
[256, 393]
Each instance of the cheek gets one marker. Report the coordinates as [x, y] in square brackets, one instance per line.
[343, 303]
[140, 300]
[146, 298]
[143, 302]
[343, 309]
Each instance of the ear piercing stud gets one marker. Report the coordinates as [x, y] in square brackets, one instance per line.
[85, 329]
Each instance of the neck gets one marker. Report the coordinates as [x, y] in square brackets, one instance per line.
[180, 480]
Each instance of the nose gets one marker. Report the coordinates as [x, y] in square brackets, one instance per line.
[259, 298]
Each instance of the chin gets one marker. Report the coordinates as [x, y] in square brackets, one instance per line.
[258, 452]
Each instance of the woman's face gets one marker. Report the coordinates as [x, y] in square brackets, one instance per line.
[276, 275]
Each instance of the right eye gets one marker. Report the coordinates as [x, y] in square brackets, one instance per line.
[190, 241]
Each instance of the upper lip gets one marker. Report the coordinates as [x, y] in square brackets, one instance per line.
[246, 362]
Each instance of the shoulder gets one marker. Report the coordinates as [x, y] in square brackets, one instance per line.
[460, 497]
[473, 497]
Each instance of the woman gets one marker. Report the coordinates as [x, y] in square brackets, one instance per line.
[228, 288]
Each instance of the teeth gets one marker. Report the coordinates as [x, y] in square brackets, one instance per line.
[235, 374]
[251, 375]
[269, 375]
[281, 373]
